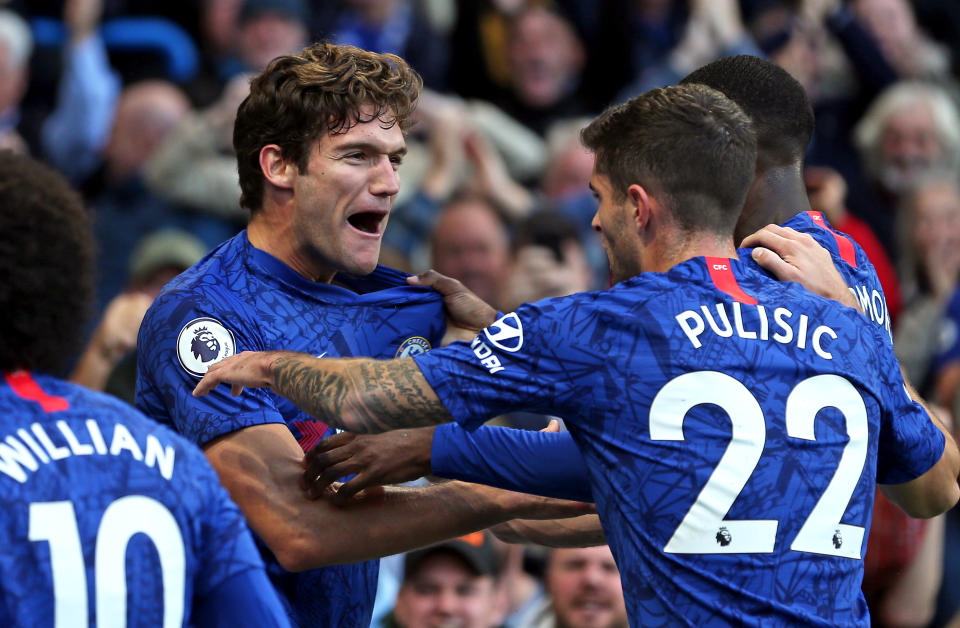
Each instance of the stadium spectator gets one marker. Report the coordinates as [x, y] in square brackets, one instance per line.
[547, 260]
[108, 363]
[583, 591]
[910, 132]
[546, 60]
[16, 44]
[930, 267]
[471, 243]
[453, 583]
[397, 27]
[141, 531]
[894, 24]
[318, 142]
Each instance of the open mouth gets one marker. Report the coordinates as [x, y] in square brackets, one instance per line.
[367, 222]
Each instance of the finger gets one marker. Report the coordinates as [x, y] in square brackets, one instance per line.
[320, 462]
[770, 239]
[774, 264]
[331, 476]
[350, 489]
[552, 426]
[210, 381]
[441, 283]
[236, 389]
[330, 443]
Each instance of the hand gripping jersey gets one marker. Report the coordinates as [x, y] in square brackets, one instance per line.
[733, 429]
[240, 298]
[111, 519]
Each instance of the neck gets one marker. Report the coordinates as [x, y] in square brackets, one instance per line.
[272, 233]
[777, 193]
[663, 256]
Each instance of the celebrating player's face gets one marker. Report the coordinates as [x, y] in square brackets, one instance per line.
[345, 195]
[613, 224]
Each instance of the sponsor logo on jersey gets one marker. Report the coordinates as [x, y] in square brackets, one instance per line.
[413, 346]
[202, 342]
[506, 334]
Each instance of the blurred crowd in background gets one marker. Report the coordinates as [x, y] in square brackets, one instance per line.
[134, 101]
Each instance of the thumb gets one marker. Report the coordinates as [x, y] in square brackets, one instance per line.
[552, 426]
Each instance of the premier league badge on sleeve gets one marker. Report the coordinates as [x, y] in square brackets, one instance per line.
[202, 342]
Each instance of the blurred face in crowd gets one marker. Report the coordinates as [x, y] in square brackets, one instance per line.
[445, 593]
[146, 113]
[584, 584]
[909, 149]
[545, 57]
[470, 244]
[13, 79]
[270, 35]
[936, 219]
[569, 173]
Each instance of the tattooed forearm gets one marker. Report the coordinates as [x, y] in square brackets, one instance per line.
[362, 395]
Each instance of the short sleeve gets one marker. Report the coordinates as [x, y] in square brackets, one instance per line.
[180, 337]
[533, 359]
[910, 443]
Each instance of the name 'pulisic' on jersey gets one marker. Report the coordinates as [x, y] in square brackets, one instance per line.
[752, 322]
[27, 449]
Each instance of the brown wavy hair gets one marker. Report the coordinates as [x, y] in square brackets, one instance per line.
[322, 89]
[46, 260]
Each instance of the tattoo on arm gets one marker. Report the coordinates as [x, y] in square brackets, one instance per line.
[362, 395]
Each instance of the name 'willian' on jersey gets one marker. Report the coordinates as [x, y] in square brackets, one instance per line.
[730, 424]
[240, 298]
[107, 515]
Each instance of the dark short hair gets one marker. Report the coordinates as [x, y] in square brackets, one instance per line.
[687, 144]
[46, 256]
[775, 102]
[322, 89]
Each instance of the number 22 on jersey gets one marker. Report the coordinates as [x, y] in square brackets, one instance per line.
[701, 528]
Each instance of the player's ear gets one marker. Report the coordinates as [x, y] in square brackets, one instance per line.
[641, 204]
[276, 170]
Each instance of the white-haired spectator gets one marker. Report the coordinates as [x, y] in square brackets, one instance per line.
[911, 132]
[16, 45]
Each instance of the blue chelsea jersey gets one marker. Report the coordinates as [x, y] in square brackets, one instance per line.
[731, 426]
[240, 298]
[108, 515]
[853, 264]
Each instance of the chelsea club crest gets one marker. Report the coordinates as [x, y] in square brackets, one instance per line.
[413, 346]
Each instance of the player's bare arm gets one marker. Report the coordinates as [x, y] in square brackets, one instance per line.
[261, 465]
[583, 531]
[793, 256]
[358, 395]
